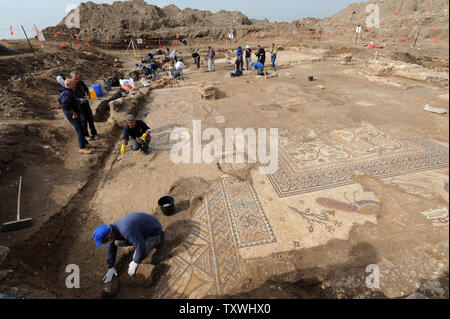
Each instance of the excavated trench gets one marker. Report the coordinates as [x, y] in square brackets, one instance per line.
[334, 270]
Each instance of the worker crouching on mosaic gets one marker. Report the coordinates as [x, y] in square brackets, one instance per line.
[141, 230]
[139, 132]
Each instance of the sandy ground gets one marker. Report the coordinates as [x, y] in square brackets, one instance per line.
[362, 180]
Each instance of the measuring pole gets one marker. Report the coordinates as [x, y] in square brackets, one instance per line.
[27, 39]
[415, 41]
[399, 10]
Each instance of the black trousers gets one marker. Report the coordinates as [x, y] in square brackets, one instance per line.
[87, 117]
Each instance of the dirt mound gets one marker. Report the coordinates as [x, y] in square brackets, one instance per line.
[4, 50]
[28, 87]
[21, 144]
[137, 18]
[399, 20]
[427, 62]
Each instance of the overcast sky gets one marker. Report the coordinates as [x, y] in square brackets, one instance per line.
[46, 13]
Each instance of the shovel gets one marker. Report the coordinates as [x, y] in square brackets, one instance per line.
[19, 223]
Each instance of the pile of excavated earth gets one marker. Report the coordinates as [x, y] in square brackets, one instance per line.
[357, 206]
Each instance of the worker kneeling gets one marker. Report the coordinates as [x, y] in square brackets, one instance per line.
[237, 68]
[141, 230]
[139, 133]
[258, 67]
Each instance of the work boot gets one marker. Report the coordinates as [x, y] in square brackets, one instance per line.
[84, 151]
[89, 146]
[95, 137]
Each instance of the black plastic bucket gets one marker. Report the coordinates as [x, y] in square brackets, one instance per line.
[167, 205]
[310, 78]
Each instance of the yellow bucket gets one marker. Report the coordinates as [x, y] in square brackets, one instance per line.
[93, 94]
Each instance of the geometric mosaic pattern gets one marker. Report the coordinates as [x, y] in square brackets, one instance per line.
[250, 224]
[318, 165]
[207, 263]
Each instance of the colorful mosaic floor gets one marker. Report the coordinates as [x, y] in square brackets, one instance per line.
[207, 263]
[319, 165]
[311, 200]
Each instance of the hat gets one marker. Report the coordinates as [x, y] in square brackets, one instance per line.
[247, 47]
[130, 117]
[100, 233]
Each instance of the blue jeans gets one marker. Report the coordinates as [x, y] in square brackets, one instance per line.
[136, 146]
[79, 129]
[274, 57]
[197, 61]
[150, 243]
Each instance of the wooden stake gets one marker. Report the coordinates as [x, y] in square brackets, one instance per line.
[27, 40]
[418, 32]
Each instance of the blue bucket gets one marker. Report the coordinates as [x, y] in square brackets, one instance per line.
[98, 89]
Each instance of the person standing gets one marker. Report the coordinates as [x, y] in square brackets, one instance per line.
[261, 54]
[86, 116]
[141, 230]
[248, 57]
[273, 53]
[196, 57]
[173, 57]
[211, 56]
[240, 56]
[71, 108]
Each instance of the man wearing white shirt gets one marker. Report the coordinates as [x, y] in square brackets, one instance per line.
[173, 56]
[179, 66]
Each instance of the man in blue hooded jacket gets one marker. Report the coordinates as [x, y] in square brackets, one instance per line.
[71, 108]
[240, 56]
[141, 230]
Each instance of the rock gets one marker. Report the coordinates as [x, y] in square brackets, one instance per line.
[110, 289]
[434, 110]
[4, 273]
[4, 252]
[321, 87]
[145, 270]
[416, 295]
[207, 92]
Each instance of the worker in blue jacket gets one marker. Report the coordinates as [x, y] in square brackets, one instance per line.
[138, 131]
[141, 230]
[240, 56]
[71, 108]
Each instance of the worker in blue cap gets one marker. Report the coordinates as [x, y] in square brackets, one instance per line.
[141, 230]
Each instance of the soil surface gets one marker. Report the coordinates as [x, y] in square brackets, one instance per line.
[375, 192]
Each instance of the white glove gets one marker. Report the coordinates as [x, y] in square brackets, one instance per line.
[109, 275]
[132, 268]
